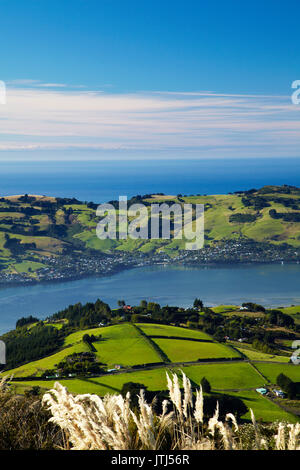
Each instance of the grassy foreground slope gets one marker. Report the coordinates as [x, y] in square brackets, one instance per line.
[126, 345]
[221, 377]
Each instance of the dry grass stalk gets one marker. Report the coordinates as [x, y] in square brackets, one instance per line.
[109, 423]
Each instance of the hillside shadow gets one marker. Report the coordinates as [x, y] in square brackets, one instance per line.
[94, 382]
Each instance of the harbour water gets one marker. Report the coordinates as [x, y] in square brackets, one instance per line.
[267, 284]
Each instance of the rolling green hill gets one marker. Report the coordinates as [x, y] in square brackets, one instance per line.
[124, 344]
[35, 229]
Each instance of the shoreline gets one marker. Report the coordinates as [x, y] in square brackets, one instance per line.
[216, 264]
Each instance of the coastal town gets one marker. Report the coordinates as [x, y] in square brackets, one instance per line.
[77, 266]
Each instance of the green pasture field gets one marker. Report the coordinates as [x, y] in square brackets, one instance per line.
[43, 243]
[285, 342]
[181, 350]
[271, 371]
[153, 379]
[293, 310]
[78, 335]
[225, 376]
[124, 345]
[260, 356]
[151, 329]
[264, 410]
[225, 308]
[91, 240]
[26, 266]
[244, 313]
[36, 368]
[5, 252]
[57, 325]
[120, 344]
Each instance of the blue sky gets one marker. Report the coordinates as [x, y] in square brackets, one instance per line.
[143, 79]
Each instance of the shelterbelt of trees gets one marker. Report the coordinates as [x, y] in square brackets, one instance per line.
[34, 229]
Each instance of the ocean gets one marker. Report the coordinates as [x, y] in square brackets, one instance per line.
[105, 180]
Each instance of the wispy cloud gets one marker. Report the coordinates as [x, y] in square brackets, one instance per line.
[31, 83]
[51, 85]
[25, 82]
[54, 116]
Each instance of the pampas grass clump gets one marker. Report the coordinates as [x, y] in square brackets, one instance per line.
[93, 423]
